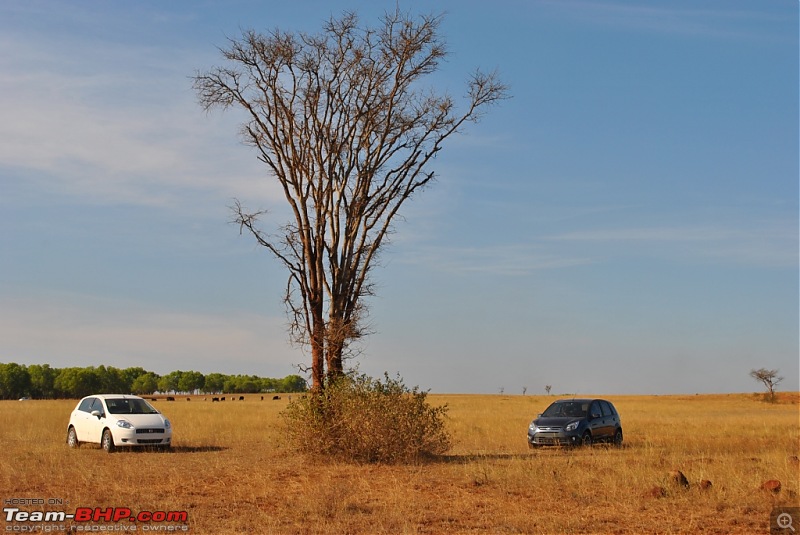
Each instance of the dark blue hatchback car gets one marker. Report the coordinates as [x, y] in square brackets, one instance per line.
[576, 422]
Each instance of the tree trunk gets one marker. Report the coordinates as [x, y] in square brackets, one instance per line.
[317, 348]
[334, 360]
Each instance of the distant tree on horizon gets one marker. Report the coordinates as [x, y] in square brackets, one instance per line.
[770, 380]
[14, 381]
[146, 383]
[40, 381]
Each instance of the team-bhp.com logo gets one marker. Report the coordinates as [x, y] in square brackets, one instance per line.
[93, 519]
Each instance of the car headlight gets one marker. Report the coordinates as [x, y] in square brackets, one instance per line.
[124, 423]
[572, 427]
[167, 424]
[532, 427]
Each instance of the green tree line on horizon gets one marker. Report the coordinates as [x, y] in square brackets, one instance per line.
[40, 381]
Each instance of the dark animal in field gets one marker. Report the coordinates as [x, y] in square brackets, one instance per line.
[188, 399]
[241, 398]
[222, 398]
[214, 399]
[170, 398]
[276, 397]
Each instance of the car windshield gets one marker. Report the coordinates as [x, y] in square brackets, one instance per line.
[129, 406]
[574, 409]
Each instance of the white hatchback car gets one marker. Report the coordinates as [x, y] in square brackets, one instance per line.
[114, 420]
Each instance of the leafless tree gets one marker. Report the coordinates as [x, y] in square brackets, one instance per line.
[547, 389]
[342, 123]
[769, 378]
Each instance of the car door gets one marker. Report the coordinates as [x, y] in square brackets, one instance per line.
[611, 418]
[597, 423]
[80, 419]
[95, 425]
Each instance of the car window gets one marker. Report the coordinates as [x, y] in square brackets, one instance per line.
[129, 406]
[97, 405]
[117, 406]
[86, 404]
[606, 409]
[572, 409]
[595, 410]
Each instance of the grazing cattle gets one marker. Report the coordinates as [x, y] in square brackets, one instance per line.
[188, 399]
[222, 398]
[153, 399]
[276, 397]
[170, 398]
[241, 398]
[262, 398]
[214, 399]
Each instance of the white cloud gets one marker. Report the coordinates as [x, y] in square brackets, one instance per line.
[771, 244]
[120, 125]
[696, 20]
[766, 244]
[509, 260]
[72, 330]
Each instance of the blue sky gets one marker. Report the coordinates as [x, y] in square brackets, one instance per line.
[626, 223]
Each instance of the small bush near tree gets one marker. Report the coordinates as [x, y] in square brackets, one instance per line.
[363, 419]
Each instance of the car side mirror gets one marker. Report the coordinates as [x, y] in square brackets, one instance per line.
[539, 415]
[98, 414]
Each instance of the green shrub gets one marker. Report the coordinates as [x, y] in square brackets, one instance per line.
[359, 418]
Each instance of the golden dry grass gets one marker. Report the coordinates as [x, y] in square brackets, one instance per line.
[231, 473]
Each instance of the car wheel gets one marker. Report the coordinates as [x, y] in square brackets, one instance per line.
[587, 439]
[108, 441]
[72, 438]
[618, 438]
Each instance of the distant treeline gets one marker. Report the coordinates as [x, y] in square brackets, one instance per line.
[43, 382]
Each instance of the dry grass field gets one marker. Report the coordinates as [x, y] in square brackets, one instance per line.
[231, 473]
